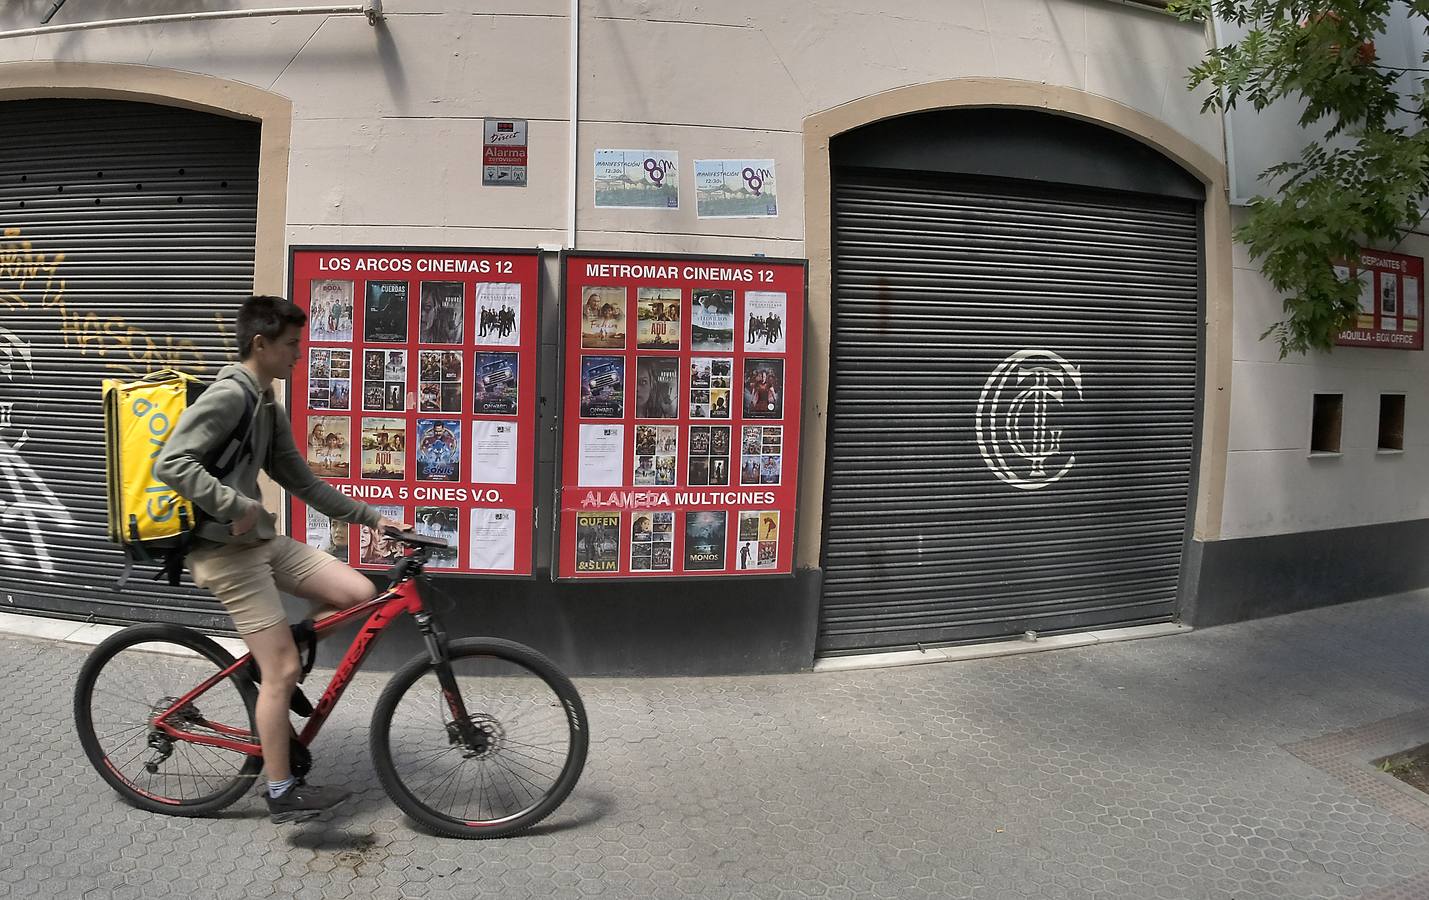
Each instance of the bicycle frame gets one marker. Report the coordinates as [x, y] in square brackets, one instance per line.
[402, 598]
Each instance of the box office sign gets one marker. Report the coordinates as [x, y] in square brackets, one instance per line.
[682, 390]
[416, 392]
[1391, 313]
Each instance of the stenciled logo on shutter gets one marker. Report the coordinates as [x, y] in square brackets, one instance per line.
[1016, 422]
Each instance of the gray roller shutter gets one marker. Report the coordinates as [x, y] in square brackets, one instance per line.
[1066, 324]
[129, 235]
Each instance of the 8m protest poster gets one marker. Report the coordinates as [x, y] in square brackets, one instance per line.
[681, 398]
[416, 392]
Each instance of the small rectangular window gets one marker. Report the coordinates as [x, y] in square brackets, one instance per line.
[1391, 421]
[1325, 425]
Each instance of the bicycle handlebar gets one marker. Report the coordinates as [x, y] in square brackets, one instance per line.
[413, 538]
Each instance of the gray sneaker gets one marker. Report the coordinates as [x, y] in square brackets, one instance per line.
[303, 802]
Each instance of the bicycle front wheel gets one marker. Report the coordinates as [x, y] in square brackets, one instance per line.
[138, 673]
[534, 740]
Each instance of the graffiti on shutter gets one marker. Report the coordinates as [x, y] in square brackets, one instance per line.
[127, 349]
[30, 280]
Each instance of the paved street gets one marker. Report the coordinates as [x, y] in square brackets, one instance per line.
[1225, 763]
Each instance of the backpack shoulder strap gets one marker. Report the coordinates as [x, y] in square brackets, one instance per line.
[238, 444]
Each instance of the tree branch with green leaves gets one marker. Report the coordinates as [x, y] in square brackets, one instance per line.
[1364, 181]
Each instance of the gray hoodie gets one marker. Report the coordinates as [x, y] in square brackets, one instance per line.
[209, 422]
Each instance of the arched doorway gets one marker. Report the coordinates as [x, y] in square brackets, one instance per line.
[128, 240]
[1014, 387]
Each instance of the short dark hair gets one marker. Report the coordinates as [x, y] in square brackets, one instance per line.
[268, 316]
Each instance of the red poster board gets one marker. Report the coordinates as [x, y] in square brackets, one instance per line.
[416, 392]
[682, 387]
[1391, 312]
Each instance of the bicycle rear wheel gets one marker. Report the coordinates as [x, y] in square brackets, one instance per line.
[534, 729]
[130, 678]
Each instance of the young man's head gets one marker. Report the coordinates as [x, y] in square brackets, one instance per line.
[270, 332]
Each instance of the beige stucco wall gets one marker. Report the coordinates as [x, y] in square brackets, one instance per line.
[385, 123]
[1273, 485]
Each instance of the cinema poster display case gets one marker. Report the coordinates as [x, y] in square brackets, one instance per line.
[416, 392]
[682, 386]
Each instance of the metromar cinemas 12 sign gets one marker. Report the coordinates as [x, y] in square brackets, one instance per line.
[1391, 313]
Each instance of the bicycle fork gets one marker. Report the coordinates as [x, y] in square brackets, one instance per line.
[461, 730]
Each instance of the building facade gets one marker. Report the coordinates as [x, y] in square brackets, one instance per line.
[1034, 398]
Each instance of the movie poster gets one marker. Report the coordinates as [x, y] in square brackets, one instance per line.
[441, 522]
[327, 534]
[331, 303]
[758, 540]
[329, 378]
[439, 450]
[657, 387]
[657, 319]
[1388, 297]
[377, 549]
[493, 539]
[763, 388]
[712, 320]
[761, 459]
[497, 379]
[385, 317]
[652, 541]
[711, 380]
[384, 449]
[597, 542]
[442, 312]
[704, 540]
[603, 318]
[764, 321]
[384, 380]
[603, 387]
[328, 442]
[708, 460]
[656, 455]
[439, 381]
[498, 314]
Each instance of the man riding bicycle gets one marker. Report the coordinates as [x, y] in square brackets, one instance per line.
[238, 554]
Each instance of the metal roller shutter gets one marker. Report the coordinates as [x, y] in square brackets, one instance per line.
[128, 241]
[1013, 410]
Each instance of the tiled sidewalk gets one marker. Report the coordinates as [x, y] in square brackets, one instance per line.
[1225, 763]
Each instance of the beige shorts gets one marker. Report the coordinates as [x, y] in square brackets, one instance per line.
[246, 578]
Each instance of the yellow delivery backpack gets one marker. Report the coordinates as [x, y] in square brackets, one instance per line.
[147, 518]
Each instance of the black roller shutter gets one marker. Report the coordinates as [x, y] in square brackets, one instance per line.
[938, 282]
[128, 242]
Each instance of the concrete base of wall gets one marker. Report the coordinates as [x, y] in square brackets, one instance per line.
[652, 629]
[1254, 577]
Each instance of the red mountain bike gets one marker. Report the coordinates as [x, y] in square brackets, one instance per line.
[478, 738]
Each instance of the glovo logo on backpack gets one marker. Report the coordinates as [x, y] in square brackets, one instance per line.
[139, 418]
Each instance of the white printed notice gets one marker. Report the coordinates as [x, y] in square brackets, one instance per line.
[602, 456]
[493, 539]
[493, 452]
